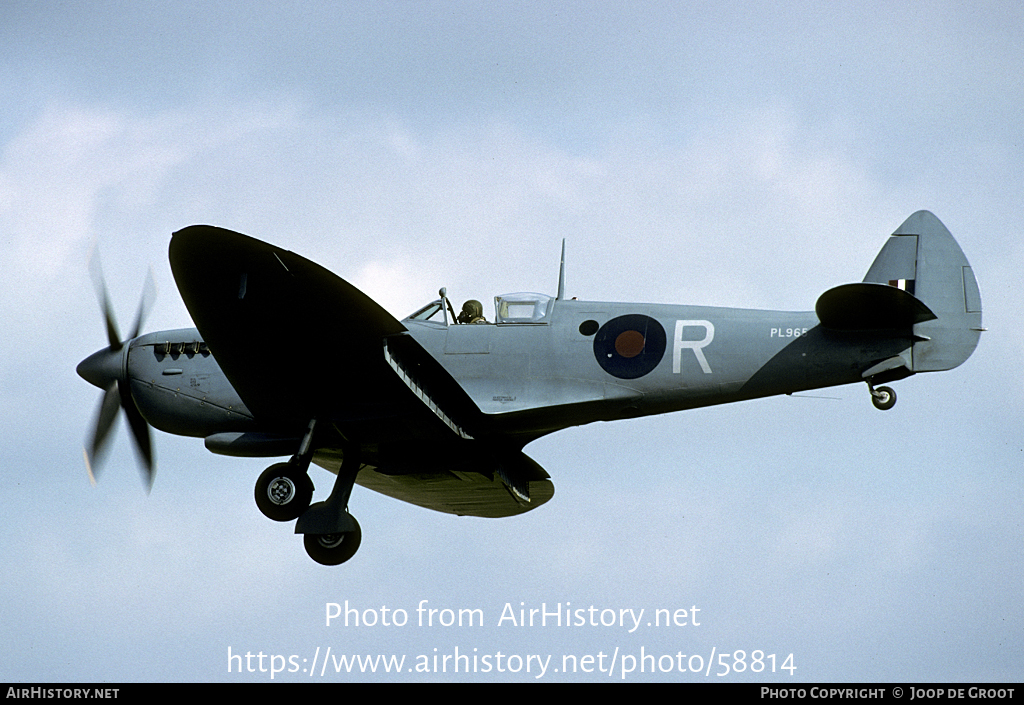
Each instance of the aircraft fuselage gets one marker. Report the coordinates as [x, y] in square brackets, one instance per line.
[592, 361]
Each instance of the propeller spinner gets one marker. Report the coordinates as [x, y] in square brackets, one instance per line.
[108, 370]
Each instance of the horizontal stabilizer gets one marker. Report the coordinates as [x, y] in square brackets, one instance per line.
[870, 306]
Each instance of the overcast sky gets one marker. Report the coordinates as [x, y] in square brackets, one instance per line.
[738, 154]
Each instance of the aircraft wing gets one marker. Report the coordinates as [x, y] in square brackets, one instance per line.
[295, 340]
[481, 487]
[298, 342]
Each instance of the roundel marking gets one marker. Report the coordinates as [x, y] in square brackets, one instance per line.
[630, 346]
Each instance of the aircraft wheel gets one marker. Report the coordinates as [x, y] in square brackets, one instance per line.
[333, 549]
[283, 494]
[884, 398]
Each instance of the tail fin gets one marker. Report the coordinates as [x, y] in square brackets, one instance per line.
[923, 259]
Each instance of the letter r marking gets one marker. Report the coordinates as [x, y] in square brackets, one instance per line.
[695, 345]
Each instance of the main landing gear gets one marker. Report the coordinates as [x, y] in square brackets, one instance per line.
[284, 492]
[332, 535]
[884, 398]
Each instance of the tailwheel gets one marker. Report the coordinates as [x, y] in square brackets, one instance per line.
[884, 398]
[333, 549]
[283, 493]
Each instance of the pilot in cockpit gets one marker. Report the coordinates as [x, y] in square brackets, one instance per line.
[472, 312]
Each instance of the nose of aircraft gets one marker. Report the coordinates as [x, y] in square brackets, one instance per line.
[103, 368]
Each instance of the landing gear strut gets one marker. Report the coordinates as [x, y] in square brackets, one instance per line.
[284, 492]
[332, 535]
[884, 398]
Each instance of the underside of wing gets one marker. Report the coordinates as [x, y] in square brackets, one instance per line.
[491, 488]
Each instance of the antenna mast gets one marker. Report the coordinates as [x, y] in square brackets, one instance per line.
[561, 274]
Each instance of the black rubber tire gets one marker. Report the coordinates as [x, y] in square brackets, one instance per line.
[333, 549]
[884, 398]
[283, 494]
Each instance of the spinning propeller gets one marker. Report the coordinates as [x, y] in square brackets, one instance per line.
[108, 370]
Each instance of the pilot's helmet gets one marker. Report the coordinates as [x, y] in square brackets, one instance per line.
[472, 311]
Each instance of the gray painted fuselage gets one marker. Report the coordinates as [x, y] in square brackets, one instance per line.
[531, 379]
[536, 378]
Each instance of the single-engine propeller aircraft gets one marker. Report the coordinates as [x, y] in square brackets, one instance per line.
[288, 359]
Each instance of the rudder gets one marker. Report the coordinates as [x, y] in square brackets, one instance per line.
[922, 258]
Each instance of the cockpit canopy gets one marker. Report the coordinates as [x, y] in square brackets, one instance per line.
[522, 308]
[518, 308]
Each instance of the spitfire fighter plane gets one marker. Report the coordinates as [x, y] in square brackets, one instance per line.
[289, 360]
